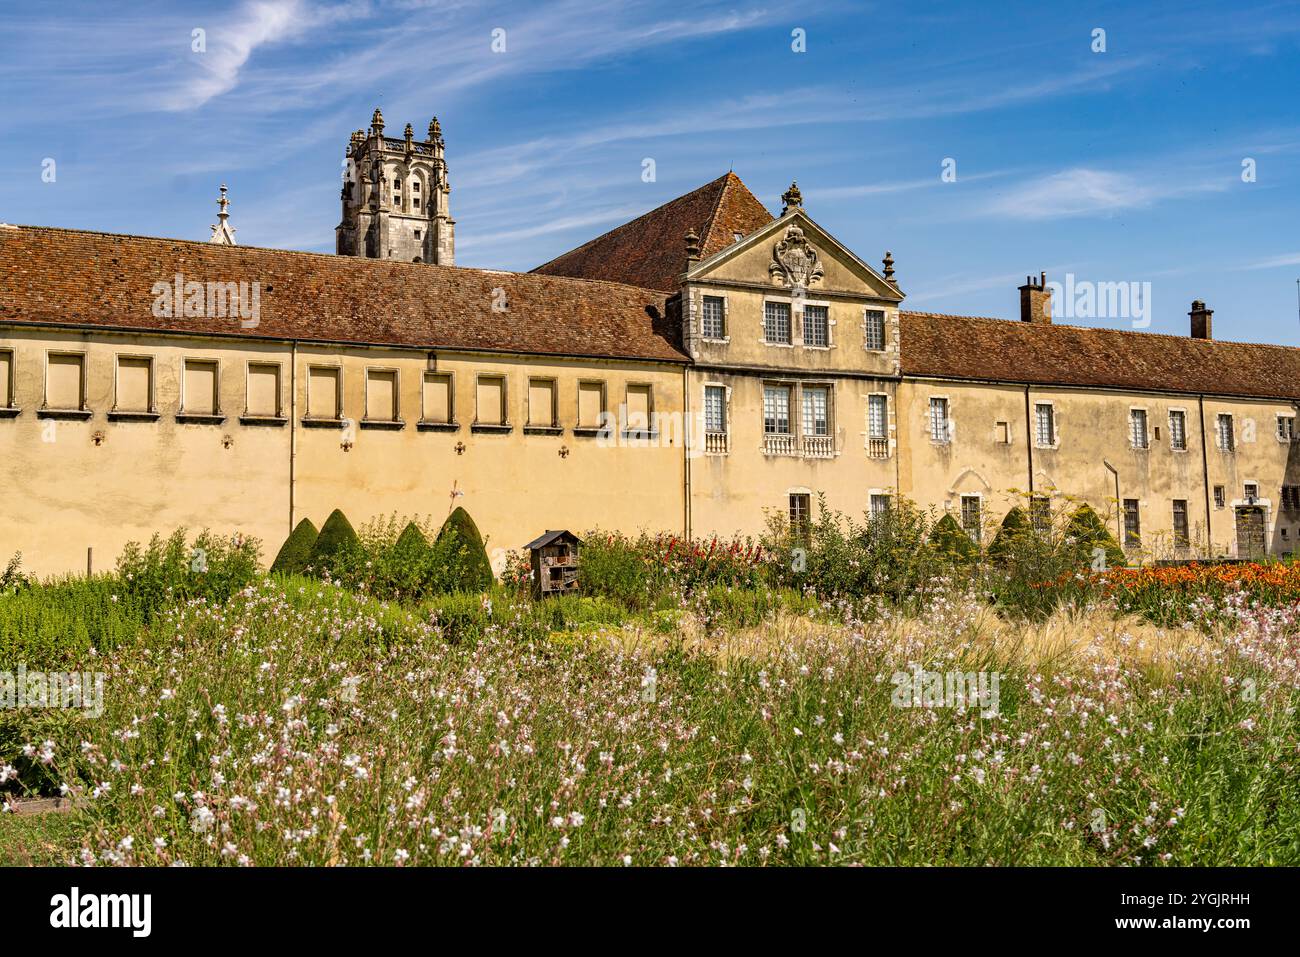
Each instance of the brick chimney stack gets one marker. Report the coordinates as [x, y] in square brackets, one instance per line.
[1036, 300]
[1201, 318]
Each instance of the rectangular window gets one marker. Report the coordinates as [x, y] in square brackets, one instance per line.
[879, 506]
[816, 326]
[134, 384]
[939, 431]
[1290, 497]
[381, 395]
[712, 322]
[1045, 423]
[715, 408]
[800, 513]
[541, 403]
[1132, 524]
[640, 406]
[438, 398]
[199, 390]
[324, 395]
[1137, 429]
[1178, 430]
[874, 320]
[6, 379]
[816, 411]
[776, 322]
[877, 416]
[591, 404]
[65, 380]
[1002, 433]
[776, 410]
[1251, 492]
[1224, 432]
[1285, 428]
[263, 390]
[1182, 536]
[1040, 513]
[971, 519]
[490, 400]
[1220, 496]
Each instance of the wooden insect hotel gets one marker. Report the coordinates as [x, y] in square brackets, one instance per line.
[555, 563]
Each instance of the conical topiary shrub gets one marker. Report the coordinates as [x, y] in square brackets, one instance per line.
[468, 566]
[951, 541]
[1015, 533]
[336, 541]
[296, 551]
[1085, 533]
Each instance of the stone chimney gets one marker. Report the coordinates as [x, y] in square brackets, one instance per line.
[1201, 320]
[1036, 300]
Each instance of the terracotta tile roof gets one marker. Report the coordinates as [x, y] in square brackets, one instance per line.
[74, 277]
[650, 251]
[971, 347]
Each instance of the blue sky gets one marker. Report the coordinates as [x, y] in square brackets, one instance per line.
[1122, 165]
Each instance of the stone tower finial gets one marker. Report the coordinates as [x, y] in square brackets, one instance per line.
[888, 262]
[408, 133]
[435, 132]
[223, 234]
[692, 248]
[377, 122]
[791, 199]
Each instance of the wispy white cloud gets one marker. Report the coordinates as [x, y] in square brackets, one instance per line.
[1275, 262]
[1084, 191]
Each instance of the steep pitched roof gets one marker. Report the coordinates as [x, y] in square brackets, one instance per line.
[71, 277]
[975, 347]
[650, 251]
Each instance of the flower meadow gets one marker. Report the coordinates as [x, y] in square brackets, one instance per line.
[296, 723]
[700, 703]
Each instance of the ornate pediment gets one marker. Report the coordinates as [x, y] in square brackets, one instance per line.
[794, 261]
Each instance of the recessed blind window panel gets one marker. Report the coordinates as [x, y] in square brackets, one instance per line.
[134, 384]
[263, 390]
[63, 381]
[638, 407]
[541, 402]
[437, 397]
[491, 401]
[381, 395]
[200, 387]
[323, 393]
[591, 403]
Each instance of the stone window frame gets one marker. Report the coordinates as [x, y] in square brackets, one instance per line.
[792, 408]
[216, 416]
[48, 411]
[580, 428]
[256, 418]
[786, 301]
[884, 329]
[431, 425]
[885, 419]
[1053, 424]
[1170, 416]
[1186, 541]
[650, 430]
[9, 388]
[1146, 428]
[505, 425]
[978, 536]
[1136, 513]
[725, 338]
[1231, 445]
[396, 422]
[879, 493]
[803, 329]
[1220, 496]
[1277, 431]
[150, 412]
[552, 424]
[337, 418]
[726, 415]
[947, 419]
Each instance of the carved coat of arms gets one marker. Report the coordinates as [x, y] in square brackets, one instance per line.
[794, 260]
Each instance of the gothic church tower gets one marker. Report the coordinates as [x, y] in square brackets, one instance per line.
[396, 198]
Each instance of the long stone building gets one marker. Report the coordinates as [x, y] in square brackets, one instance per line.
[689, 371]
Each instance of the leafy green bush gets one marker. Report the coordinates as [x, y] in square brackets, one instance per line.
[467, 562]
[295, 553]
[336, 547]
[1085, 532]
[951, 542]
[213, 568]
